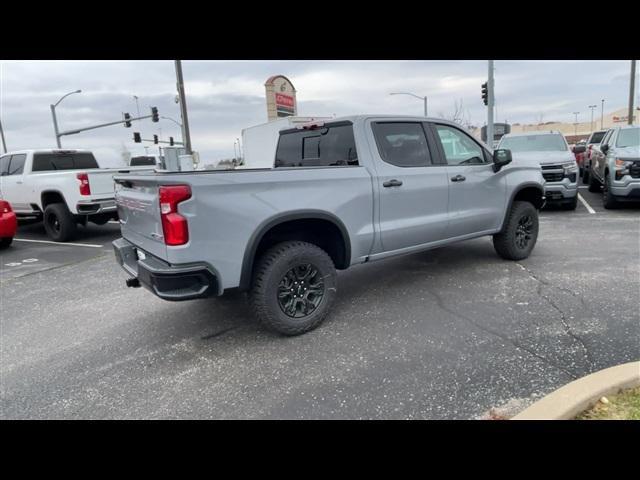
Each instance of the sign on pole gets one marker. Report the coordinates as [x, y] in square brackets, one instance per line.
[281, 97]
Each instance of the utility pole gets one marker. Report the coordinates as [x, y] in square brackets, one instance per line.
[4, 143]
[490, 106]
[55, 119]
[602, 115]
[183, 106]
[632, 84]
[592, 107]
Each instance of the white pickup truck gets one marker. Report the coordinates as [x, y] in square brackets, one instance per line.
[62, 187]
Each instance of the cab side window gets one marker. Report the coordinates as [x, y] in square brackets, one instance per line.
[403, 144]
[459, 148]
[16, 167]
[4, 164]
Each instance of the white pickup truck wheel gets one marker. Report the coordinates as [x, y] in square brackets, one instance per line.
[294, 286]
[59, 222]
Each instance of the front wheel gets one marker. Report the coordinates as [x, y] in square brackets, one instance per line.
[5, 242]
[594, 184]
[294, 287]
[572, 205]
[609, 200]
[519, 234]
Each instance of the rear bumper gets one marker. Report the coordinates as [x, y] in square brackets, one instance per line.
[92, 207]
[169, 282]
[8, 225]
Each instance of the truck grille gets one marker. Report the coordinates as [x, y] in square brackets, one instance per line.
[552, 173]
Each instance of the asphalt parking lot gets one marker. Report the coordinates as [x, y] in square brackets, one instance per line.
[445, 334]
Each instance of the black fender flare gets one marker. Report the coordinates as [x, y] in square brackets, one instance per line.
[45, 192]
[268, 224]
[521, 187]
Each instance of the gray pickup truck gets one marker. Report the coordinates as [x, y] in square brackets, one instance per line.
[614, 166]
[349, 191]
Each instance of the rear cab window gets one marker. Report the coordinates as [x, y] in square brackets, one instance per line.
[44, 162]
[327, 145]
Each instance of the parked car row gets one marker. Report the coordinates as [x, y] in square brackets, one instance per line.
[613, 166]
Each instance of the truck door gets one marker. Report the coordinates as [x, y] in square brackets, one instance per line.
[412, 188]
[477, 195]
[12, 187]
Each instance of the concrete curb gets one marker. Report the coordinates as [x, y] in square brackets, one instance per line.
[575, 397]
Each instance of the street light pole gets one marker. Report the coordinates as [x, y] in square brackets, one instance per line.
[179, 124]
[632, 84]
[490, 100]
[183, 106]
[4, 143]
[575, 124]
[602, 115]
[424, 99]
[592, 107]
[137, 104]
[55, 120]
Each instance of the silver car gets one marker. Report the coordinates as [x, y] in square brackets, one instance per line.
[558, 164]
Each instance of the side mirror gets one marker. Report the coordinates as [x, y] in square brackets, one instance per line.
[501, 157]
[604, 148]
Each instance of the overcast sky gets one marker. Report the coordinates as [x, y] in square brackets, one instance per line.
[224, 97]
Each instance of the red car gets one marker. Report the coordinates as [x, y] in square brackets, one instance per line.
[8, 224]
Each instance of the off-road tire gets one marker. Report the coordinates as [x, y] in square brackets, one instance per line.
[505, 242]
[594, 184]
[609, 201]
[271, 269]
[585, 177]
[66, 227]
[5, 242]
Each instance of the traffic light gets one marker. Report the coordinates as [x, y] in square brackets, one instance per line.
[155, 139]
[154, 114]
[127, 117]
[171, 141]
[136, 137]
[485, 93]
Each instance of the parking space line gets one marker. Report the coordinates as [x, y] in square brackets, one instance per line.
[587, 206]
[59, 243]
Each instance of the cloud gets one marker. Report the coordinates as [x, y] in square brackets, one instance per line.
[223, 97]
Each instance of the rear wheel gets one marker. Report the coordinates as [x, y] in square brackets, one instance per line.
[520, 232]
[585, 177]
[608, 199]
[5, 242]
[59, 223]
[294, 286]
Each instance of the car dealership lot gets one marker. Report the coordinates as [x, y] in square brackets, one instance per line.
[448, 333]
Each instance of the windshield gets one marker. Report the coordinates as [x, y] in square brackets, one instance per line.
[534, 143]
[597, 137]
[628, 137]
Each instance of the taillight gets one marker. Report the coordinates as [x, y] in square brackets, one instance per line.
[5, 207]
[85, 188]
[174, 225]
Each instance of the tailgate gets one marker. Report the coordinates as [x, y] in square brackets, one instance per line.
[101, 183]
[139, 214]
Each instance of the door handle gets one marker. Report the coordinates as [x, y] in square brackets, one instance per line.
[458, 178]
[392, 183]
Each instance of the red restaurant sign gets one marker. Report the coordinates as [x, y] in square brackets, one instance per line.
[284, 100]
